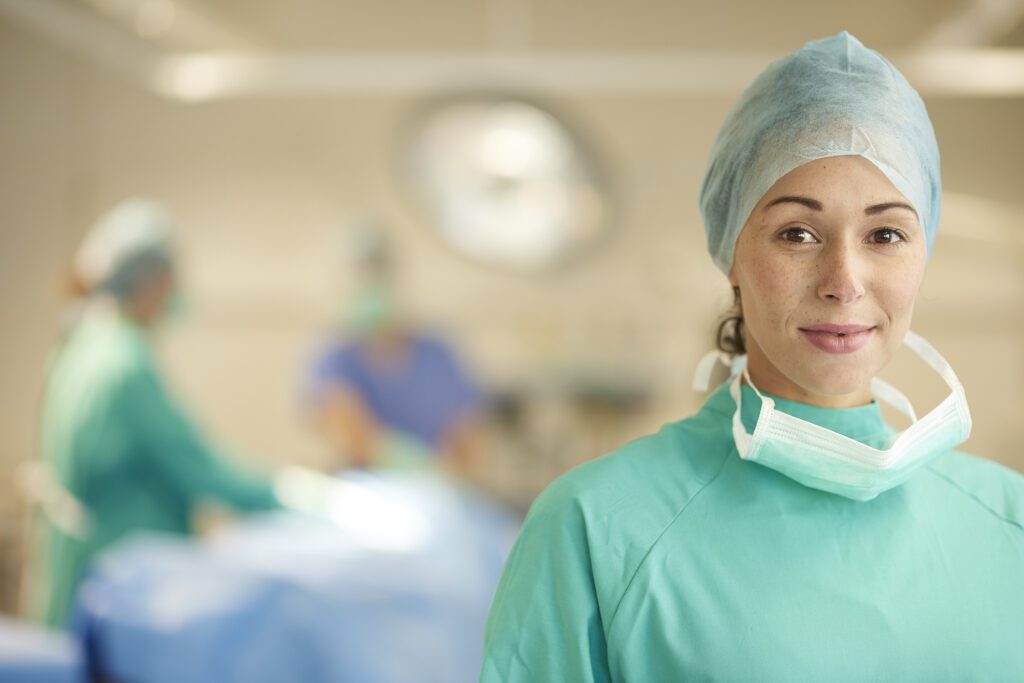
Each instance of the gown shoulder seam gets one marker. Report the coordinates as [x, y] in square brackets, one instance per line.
[654, 543]
[979, 501]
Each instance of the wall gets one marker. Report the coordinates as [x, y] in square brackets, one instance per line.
[261, 186]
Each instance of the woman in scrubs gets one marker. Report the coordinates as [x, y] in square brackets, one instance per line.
[785, 532]
[114, 440]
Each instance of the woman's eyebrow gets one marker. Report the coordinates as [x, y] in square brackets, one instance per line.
[809, 203]
[879, 208]
[817, 206]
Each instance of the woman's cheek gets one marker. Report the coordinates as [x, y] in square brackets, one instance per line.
[769, 302]
[777, 284]
[900, 292]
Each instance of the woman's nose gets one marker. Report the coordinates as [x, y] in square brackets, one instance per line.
[840, 275]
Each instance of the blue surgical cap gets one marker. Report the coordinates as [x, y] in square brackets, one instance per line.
[832, 97]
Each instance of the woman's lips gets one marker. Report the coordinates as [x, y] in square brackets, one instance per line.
[838, 338]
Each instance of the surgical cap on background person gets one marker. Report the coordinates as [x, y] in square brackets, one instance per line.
[366, 245]
[833, 97]
[126, 247]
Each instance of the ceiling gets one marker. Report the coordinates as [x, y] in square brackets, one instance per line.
[196, 50]
[561, 25]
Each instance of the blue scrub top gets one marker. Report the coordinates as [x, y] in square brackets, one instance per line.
[422, 395]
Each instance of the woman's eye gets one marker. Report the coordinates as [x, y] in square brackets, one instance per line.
[799, 235]
[887, 236]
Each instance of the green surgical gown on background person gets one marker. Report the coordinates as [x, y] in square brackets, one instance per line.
[675, 560]
[121, 445]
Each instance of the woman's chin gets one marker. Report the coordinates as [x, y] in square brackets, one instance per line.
[828, 380]
[837, 387]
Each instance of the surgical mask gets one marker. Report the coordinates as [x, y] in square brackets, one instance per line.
[823, 459]
[373, 309]
[178, 306]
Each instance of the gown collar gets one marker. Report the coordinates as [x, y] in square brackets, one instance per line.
[863, 423]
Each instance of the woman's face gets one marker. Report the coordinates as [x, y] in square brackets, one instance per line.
[828, 266]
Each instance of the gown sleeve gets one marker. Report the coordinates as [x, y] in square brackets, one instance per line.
[175, 451]
[545, 623]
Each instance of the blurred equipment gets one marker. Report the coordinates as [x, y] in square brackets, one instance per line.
[504, 182]
[29, 654]
[119, 454]
[38, 484]
[386, 580]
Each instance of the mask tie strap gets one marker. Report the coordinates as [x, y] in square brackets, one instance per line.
[739, 433]
[933, 358]
[706, 366]
[889, 394]
[745, 373]
[744, 440]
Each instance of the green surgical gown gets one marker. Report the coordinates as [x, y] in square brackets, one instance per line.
[121, 445]
[675, 560]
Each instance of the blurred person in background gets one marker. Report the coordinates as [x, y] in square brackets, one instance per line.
[118, 450]
[383, 393]
[785, 532]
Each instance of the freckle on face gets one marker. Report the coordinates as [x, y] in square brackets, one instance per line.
[781, 286]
